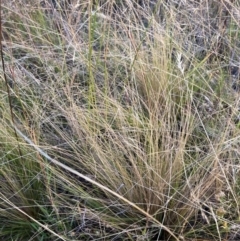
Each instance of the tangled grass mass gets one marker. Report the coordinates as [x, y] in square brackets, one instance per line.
[120, 120]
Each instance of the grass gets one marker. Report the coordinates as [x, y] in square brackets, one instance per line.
[123, 123]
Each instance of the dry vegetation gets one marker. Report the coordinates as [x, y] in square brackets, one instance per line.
[120, 120]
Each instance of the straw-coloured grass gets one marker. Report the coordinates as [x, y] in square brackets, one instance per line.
[123, 120]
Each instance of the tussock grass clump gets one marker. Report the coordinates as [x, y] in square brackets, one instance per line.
[123, 120]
